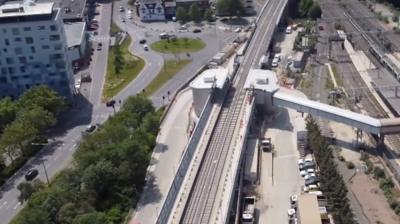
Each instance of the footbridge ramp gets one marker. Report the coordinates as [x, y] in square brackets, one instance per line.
[362, 122]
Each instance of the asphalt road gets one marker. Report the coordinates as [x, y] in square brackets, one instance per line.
[58, 153]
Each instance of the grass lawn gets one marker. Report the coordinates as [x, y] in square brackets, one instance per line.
[170, 69]
[114, 28]
[116, 82]
[179, 45]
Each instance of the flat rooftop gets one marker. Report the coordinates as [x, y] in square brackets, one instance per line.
[17, 9]
[215, 77]
[308, 211]
[75, 33]
[70, 9]
[260, 79]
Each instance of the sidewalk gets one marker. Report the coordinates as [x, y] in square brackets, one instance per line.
[171, 142]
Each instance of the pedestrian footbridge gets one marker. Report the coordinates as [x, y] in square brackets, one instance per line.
[264, 85]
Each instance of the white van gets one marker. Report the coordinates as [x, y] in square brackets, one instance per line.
[275, 62]
[288, 30]
[163, 35]
[318, 193]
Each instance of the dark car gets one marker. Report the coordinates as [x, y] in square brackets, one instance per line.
[310, 181]
[90, 128]
[31, 174]
[197, 31]
[142, 41]
[110, 103]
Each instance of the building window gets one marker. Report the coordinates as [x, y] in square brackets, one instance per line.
[27, 29]
[54, 37]
[45, 47]
[15, 31]
[9, 61]
[55, 56]
[17, 39]
[18, 50]
[7, 42]
[52, 74]
[4, 30]
[22, 60]
[41, 27]
[58, 47]
[11, 70]
[4, 71]
[5, 49]
[53, 27]
[33, 50]
[29, 40]
[60, 65]
[3, 79]
[22, 69]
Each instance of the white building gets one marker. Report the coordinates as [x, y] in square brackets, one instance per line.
[205, 83]
[33, 49]
[151, 10]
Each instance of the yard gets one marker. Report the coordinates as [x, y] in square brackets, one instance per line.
[128, 68]
[178, 45]
[170, 69]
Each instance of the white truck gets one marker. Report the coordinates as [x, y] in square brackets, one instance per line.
[248, 205]
[266, 144]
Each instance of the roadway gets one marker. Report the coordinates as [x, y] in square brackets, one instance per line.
[65, 137]
[203, 201]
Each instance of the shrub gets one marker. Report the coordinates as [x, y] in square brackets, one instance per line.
[350, 165]
[369, 165]
[378, 173]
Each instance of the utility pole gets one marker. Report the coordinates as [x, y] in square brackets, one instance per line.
[45, 172]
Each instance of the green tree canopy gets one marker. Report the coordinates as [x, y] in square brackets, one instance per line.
[194, 13]
[181, 15]
[37, 117]
[208, 15]
[42, 96]
[26, 189]
[91, 218]
[315, 11]
[7, 112]
[230, 7]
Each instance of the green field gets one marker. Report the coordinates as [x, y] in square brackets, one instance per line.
[170, 69]
[131, 68]
[178, 45]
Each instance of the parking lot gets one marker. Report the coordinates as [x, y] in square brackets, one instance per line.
[280, 176]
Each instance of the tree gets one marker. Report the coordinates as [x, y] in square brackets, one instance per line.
[138, 105]
[208, 15]
[26, 189]
[304, 7]
[181, 15]
[195, 13]
[7, 112]
[36, 117]
[15, 137]
[118, 59]
[315, 11]
[91, 218]
[32, 216]
[99, 178]
[42, 96]
[70, 210]
[230, 7]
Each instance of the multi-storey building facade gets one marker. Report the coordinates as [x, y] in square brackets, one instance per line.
[33, 49]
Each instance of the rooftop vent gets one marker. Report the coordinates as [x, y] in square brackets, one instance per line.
[209, 79]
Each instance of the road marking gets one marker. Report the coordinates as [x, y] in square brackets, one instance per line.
[4, 203]
[16, 206]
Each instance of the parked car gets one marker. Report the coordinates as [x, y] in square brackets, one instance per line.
[99, 45]
[145, 47]
[303, 173]
[31, 174]
[110, 103]
[163, 35]
[121, 9]
[197, 31]
[142, 41]
[90, 128]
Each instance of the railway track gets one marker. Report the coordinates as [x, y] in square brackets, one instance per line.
[202, 198]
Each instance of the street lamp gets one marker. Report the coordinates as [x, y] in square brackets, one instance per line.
[45, 172]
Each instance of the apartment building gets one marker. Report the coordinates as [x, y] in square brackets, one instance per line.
[33, 49]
